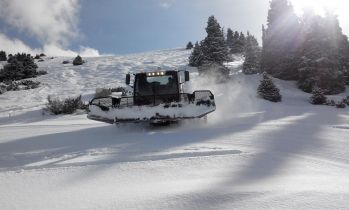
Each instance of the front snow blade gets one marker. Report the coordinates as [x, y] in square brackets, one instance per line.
[111, 110]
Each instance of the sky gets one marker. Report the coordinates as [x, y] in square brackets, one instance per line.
[105, 27]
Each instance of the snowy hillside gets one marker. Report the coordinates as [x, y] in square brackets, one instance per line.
[251, 154]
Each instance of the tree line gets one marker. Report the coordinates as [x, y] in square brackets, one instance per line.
[218, 46]
[310, 49]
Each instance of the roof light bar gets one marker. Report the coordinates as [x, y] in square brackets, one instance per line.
[155, 73]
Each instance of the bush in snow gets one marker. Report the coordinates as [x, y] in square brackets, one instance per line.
[346, 100]
[341, 105]
[3, 56]
[66, 106]
[65, 62]
[37, 57]
[2, 88]
[42, 55]
[20, 66]
[268, 91]
[78, 61]
[318, 97]
[189, 46]
[20, 85]
[331, 103]
[41, 72]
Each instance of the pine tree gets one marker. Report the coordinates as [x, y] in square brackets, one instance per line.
[281, 41]
[318, 97]
[20, 66]
[242, 42]
[252, 56]
[230, 38]
[236, 46]
[268, 91]
[78, 61]
[189, 46]
[196, 57]
[263, 34]
[3, 56]
[320, 64]
[213, 46]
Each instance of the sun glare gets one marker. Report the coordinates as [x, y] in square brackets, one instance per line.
[319, 6]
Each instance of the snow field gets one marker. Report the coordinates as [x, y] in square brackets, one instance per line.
[252, 154]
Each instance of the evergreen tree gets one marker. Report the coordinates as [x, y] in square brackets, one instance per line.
[263, 34]
[213, 46]
[281, 41]
[252, 56]
[189, 46]
[78, 61]
[236, 46]
[196, 57]
[230, 38]
[20, 66]
[3, 56]
[268, 91]
[318, 97]
[242, 42]
[320, 64]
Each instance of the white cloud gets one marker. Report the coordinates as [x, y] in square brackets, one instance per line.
[53, 23]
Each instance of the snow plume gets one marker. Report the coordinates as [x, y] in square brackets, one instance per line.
[53, 23]
[235, 98]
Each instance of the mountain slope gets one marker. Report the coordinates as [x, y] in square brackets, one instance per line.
[252, 154]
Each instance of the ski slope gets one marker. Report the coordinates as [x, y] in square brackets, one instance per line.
[251, 154]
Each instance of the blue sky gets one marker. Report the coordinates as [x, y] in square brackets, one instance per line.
[91, 27]
[127, 26]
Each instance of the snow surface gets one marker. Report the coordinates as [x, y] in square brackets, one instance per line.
[251, 154]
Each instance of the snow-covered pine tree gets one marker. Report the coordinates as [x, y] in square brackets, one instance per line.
[214, 47]
[230, 38]
[196, 58]
[268, 91]
[318, 97]
[78, 61]
[281, 41]
[3, 56]
[189, 46]
[320, 64]
[242, 42]
[252, 56]
[235, 48]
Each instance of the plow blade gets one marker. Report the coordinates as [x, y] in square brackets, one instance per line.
[111, 110]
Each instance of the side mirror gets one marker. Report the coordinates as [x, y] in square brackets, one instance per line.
[128, 79]
[186, 76]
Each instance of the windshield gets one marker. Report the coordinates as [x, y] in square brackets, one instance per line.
[156, 85]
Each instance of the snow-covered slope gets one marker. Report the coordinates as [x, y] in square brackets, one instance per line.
[252, 154]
